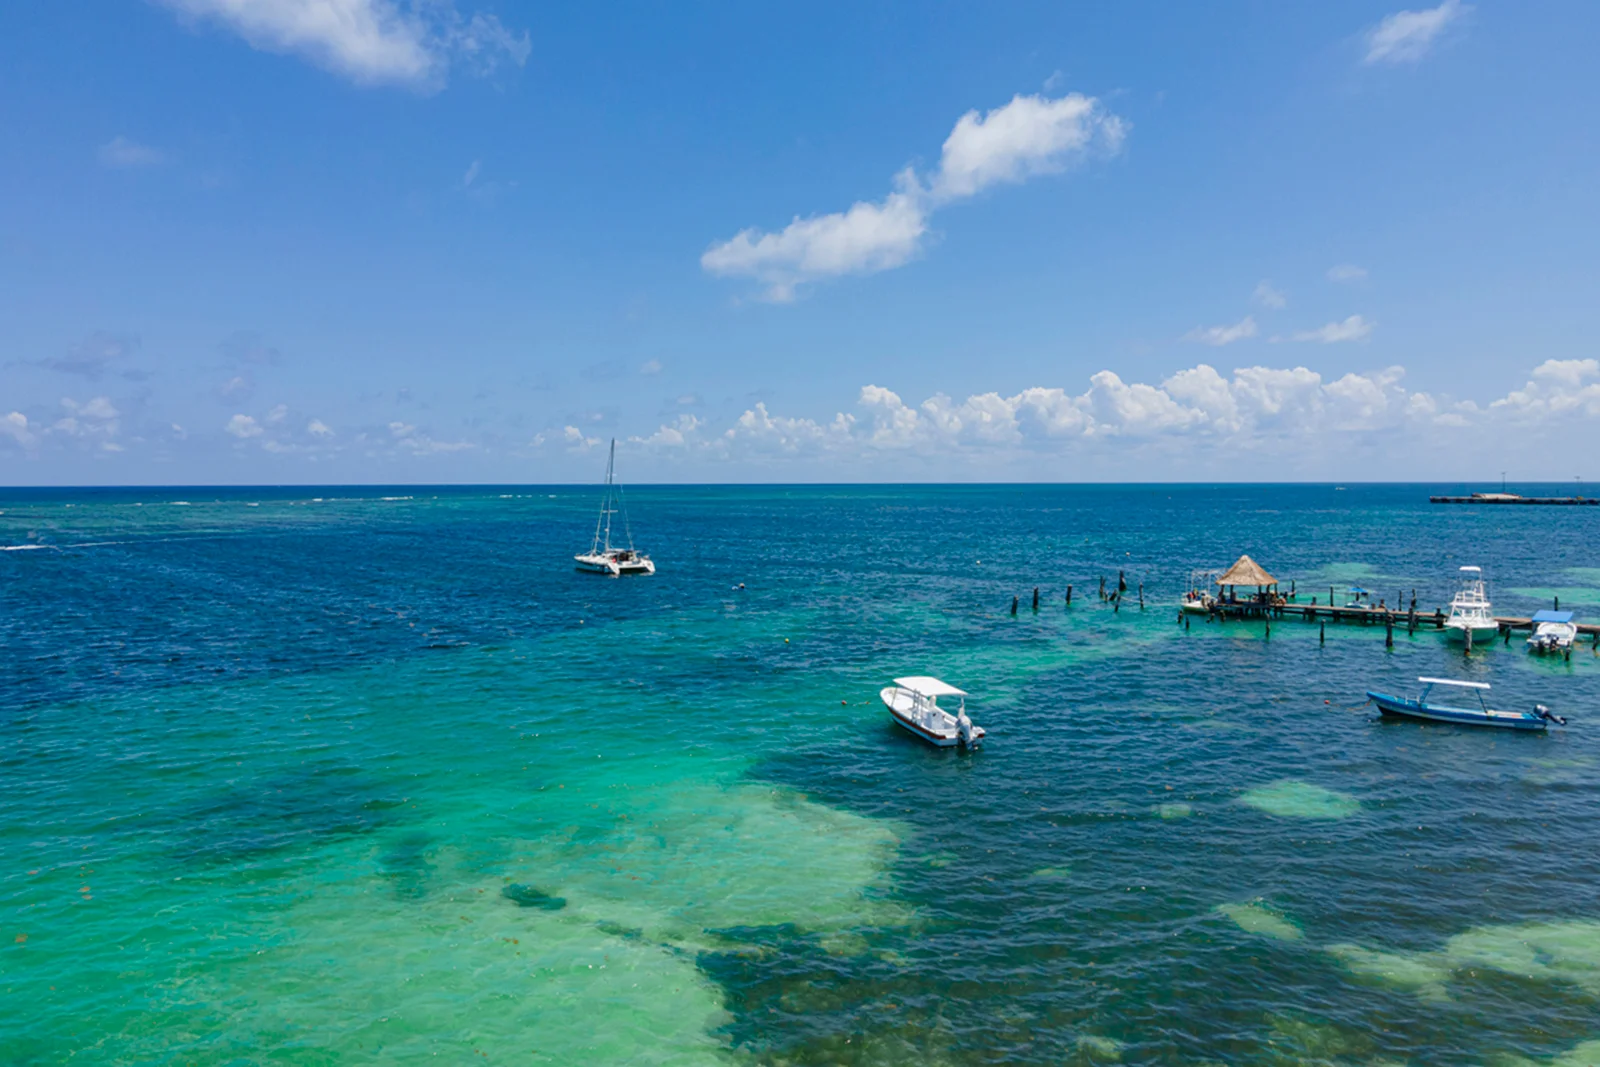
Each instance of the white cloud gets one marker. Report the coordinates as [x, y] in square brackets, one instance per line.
[867, 238]
[1355, 328]
[1406, 36]
[472, 174]
[96, 418]
[651, 366]
[15, 426]
[243, 426]
[1031, 135]
[1267, 296]
[1557, 387]
[278, 414]
[676, 435]
[1347, 272]
[576, 440]
[318, 428]
[123, 154]
[1223, 335]
[371, 42]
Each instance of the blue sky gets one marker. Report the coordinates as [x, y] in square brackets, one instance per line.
[380, 241]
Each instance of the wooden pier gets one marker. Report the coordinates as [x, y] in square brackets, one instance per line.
[1512, 498]
[1433, 620]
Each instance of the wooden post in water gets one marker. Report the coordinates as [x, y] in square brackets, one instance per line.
[1141, 596]
[1330, 596]
[1322, 633]
[1035, 598]
[1269, 627]
[1558, 604]
[1013, 605]
[1388, 633]
[1069, 596]
[1186, 624]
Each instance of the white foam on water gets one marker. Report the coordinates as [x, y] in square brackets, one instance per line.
[23, 548]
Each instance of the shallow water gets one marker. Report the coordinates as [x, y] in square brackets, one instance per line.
[371, 776]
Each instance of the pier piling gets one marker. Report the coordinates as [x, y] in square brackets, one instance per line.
[1322, 634]
[1069, 596]
[1388, 633]
[1035, 598]
[1013, 605]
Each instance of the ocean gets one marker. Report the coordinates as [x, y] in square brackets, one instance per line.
[373, 776]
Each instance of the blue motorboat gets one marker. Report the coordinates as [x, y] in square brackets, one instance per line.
[1482, 715]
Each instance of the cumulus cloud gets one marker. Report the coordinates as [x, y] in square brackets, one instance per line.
[1029, 136]
[1354, 328]
[1347, 272]
[243, 426]
[1407, 36]
[407, 438]
[370, 42]
[318, 428]
[121, 153]
[1557, 387]
[1267, 296]
[16, 428]
[1223, 335]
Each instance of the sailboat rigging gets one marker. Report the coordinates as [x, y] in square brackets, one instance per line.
[603, 557]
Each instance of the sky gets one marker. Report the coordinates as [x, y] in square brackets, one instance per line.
[458, 241]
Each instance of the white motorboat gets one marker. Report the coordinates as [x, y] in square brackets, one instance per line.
[1197, 599]
[1553, 631]
[603, 557]
[1470, 613]
[914, 704]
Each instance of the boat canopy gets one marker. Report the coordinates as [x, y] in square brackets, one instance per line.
[1552, 616]
[1452, 681]
[1472, 570]
[929, 687]
[1358, 589]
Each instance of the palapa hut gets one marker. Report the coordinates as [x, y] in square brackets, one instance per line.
[1248, 572]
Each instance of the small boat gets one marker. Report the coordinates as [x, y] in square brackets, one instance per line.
[1470, 614]
[914, 704]
[1197, 599]
[602, 557]
[1553, 631]
[1482, 715]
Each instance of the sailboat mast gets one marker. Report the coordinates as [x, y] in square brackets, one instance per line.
[611, 464]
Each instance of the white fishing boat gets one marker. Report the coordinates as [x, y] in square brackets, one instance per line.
[913, 703]
[1553, 632]
[1470, 612]
[1197, 599]
[603, 557]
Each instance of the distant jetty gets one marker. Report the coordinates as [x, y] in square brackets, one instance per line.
[1513, 498]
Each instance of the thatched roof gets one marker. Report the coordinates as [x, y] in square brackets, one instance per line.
[1246, 572]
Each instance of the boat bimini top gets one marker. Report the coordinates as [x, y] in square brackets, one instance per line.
[1551, 616]
[1452, 681]
[925, 686]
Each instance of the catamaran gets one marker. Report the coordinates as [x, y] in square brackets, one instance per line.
[1482, 715]
[602, 557]
[1470, 613]
[914, 704]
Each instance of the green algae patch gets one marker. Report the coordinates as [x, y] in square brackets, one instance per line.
[1551, 952]
[1053, 874]
[1258, 917]
[1290, 798]
[1175, 810]
[1422, 973]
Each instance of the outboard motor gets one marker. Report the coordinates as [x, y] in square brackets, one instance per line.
[964, 727]
[1544, 713]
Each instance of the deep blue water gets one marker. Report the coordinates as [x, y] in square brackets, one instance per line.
[372, 775]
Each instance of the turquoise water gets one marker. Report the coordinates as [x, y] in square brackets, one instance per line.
[372, 776]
